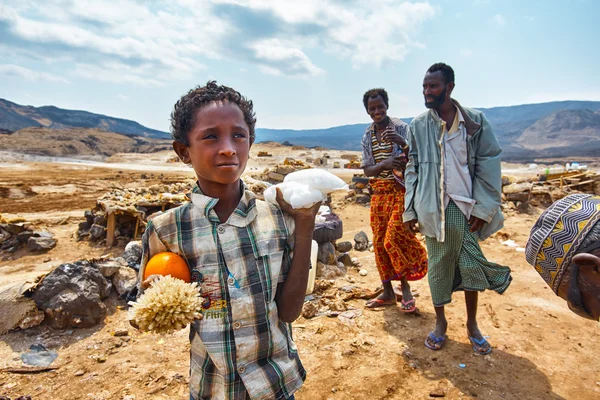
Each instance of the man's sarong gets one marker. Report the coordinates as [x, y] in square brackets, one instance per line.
[459, 264]
[398, 253]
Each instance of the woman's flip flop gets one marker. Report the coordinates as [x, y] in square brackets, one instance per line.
[408, 306]
[376, 303]
[435, 343]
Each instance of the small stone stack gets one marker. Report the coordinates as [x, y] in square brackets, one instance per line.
[278, 173]
[16, 235]
[132, 207]
[360, 190]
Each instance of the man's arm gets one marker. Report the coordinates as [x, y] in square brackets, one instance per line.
[487, 174]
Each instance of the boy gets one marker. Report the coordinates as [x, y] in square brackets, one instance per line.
[250, 259]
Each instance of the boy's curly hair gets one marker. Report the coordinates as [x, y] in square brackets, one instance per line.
[184, 112]
[371, 94]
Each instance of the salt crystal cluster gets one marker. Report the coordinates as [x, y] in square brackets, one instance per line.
[167, 306]
[302, 189]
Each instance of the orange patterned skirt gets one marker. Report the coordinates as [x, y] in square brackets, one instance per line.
[398, 253]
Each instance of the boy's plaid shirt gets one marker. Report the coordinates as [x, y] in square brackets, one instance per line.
[240, 349]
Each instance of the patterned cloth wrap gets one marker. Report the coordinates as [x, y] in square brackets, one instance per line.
[558, 233]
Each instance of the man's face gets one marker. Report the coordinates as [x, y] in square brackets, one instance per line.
[435, 89]
[219, 145]
[588, 283]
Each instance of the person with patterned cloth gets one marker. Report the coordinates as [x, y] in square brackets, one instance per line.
[453, 190]
[564, 248]
[250, 258]
[398, 253]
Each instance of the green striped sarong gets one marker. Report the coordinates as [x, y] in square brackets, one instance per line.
[459, 264]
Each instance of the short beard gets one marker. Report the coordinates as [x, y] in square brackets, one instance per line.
[437, 100]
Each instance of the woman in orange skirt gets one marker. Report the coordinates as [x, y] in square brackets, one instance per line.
[398, 253]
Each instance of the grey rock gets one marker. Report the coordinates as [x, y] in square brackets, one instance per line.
[345, 259]
[342, 268]
[72, 294]
[40, 243]
[326, 253]
[109, 266]
[15, 229]
[97, 232]
[361, 241]
[362, 198]
[100, 220]
[133, 254]
[84, 226]
[325, 271]
[89, 217]
[10, 242]
[24, 236]
[125, 280]
[343, 247]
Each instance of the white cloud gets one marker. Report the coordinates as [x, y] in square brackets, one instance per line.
[116, 73]
[12, 70]
[156, 43]
[274, 52]
[123, 97]
[466, 52]
[499, 20]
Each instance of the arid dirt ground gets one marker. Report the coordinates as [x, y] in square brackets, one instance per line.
[541, 349]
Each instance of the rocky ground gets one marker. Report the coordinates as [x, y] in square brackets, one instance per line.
[541, 349]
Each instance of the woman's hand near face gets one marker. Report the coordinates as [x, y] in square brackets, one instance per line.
[391, 136]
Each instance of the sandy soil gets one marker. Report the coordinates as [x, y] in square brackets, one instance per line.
[541, 349]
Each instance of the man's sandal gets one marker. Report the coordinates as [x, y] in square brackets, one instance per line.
[482, 346]
[435, 343]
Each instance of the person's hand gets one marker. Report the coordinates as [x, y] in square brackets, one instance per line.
[475, 224]
[411, 226]
[149, 280]
[398, 162]
[391, 136]
[299, 214]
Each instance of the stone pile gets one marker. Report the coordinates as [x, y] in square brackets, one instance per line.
[14, 236]
[277, 173]
[360, 190]
[333, 261]
[130, 209]
[522, 192]
[73, 294]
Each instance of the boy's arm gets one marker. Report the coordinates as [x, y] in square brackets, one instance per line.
[290, 294]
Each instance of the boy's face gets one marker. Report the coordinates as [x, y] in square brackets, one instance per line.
[219, 145]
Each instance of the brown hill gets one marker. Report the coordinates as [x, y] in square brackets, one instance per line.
[78, 142]
[576, 130]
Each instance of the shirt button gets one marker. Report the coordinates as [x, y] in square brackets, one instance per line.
[221, 229]
[237, 325]
[241, 369]
[230, 281]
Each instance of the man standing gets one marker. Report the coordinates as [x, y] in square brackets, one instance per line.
[453, 189]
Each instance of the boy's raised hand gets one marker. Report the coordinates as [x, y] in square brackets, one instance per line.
[299, 214]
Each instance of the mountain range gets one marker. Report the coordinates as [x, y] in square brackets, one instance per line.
[525, 132]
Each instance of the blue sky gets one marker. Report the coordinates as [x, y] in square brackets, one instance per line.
[304, 63]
